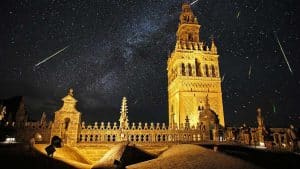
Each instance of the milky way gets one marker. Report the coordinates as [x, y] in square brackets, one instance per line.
[120, 48]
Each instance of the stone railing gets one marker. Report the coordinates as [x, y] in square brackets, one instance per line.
[36, 125]
[147, 136]
[135, 126]
[186, 45]
[138, 132]
[115, 126]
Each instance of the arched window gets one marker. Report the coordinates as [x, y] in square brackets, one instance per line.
[206, 70]
[198, 69]
[190, 69]
[213, 72]
[91, 137]
[185, 18]
[66, 123]
[183, 69]
[190, 37]
[175, 137]
[158, 138]
[114, 138]
[194, 137]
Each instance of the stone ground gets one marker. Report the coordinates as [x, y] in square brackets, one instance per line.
[263, 158]
[125, 154]
[193, 157]
[19, 156]
[68, 155]
[177, 156]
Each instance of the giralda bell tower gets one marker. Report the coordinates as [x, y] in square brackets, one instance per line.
[193, 74]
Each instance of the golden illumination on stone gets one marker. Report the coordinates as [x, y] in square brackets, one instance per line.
[123, 117]
[67, 120]
[193, 73]
[195, 112]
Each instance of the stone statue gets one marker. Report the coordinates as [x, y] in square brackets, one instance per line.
[71, 92]
[292, 136]
[43, 119]
[2, 113]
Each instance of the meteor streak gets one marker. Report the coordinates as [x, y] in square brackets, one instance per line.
[261, 3]
[223, 77]
[249, 72]
[194, 2]
[274, 108]
[43, 61]
[238, 15]
[282, 51]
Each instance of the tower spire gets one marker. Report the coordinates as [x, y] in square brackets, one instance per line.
[187, 16]
[188, 29]
[123, 117]
[207, 106]
[213, 47]
[187, 123]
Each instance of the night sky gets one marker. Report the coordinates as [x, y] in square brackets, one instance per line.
[119, 48]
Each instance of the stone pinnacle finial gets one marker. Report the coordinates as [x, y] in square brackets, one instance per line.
[259, 117]
[207, 106]
[187, 122]
[213, 47]
[70, 92]
[259, 110]
[123, 117]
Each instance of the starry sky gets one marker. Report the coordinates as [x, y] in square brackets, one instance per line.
[119, 48]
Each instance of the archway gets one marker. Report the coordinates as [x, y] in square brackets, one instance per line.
[66, 123]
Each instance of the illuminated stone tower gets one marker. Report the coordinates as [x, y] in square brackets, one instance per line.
[193, 74]
[67, 119]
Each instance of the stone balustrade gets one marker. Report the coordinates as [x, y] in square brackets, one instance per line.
[133, 126]
[139, 132]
